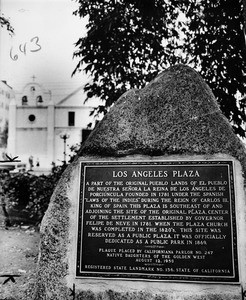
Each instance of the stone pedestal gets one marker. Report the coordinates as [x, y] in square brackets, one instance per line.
[171, 134]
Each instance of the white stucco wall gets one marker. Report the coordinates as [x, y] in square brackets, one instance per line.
[22, 117]
[32, 142]
[82, 118]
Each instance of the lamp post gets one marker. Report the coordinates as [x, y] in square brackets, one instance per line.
[64, 136]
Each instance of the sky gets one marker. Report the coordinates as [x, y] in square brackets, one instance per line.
[43, 45]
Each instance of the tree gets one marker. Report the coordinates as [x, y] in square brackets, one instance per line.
[6, 24]
[129, 42]
[124, 45]
[216, 45]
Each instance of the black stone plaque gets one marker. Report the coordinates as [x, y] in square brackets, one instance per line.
[158, 220]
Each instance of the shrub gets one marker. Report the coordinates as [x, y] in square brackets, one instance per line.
[29, 194]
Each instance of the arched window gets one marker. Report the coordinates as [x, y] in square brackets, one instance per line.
[39, 99]
[24, 100]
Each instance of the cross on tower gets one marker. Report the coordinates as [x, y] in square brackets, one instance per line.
[33, 78]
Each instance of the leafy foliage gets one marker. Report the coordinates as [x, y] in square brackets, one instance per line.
[216, 45]
[30, 193]
[124, 45]
[6, 24]
[17, 189]
[129, 42]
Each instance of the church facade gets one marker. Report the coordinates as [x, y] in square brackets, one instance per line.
[43, 131]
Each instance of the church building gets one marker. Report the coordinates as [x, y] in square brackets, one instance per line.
[43, 131]
[6, 94]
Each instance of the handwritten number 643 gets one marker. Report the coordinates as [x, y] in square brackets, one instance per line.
[35, 46]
